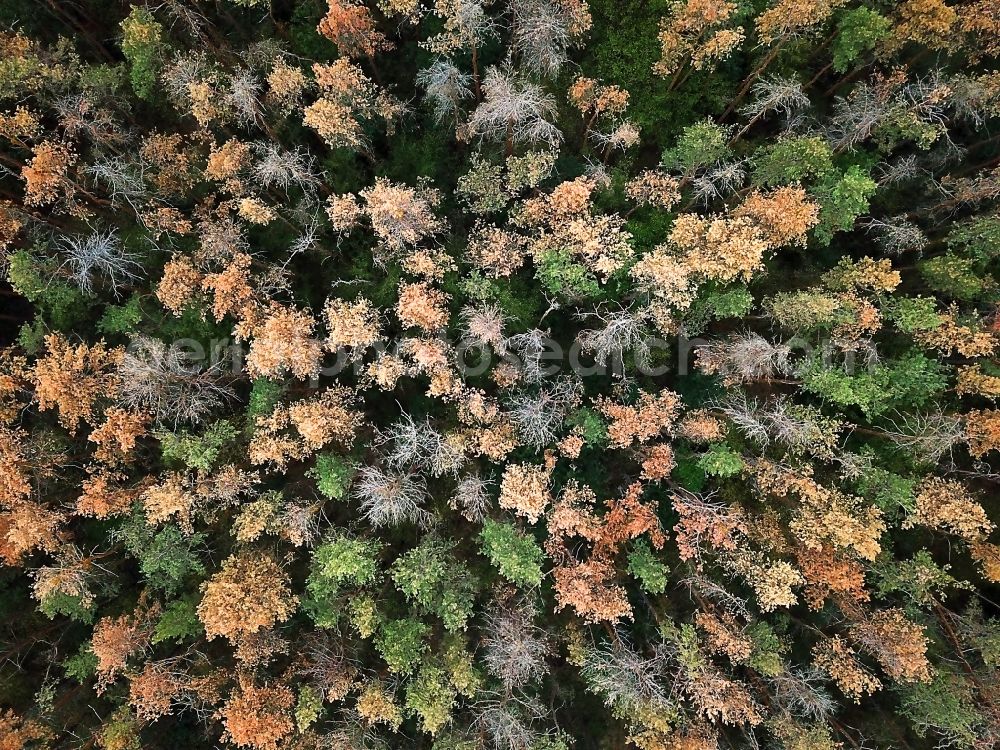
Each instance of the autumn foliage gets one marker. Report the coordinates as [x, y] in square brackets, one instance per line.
[499, 374]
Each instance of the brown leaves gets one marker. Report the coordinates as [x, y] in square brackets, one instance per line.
[982, 430]
[117, 437]
[74, 378]
[650, 416]
[401, 215]
[15, 477]
[785, 215]
[422, 306]
[695, 29]
[179, 284]
[524, 489]
[258, 717]
[249, 593]
[152, 691]
[346, 95]
[16, 732]
[838, 659]
[899, 645]
[46, 175]
[590, 587]
[351, 27]
[173, 499]
[115, 640]
[284, 342]
[945, 505]
[318, 421]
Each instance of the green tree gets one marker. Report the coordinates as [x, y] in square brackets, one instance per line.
[859, 30]
[515, 554]
[432, 577]
[143, 47]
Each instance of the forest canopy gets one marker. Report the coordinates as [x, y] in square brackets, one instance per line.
[499, 374]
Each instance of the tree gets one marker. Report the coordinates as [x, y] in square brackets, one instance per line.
[858, 31]
[515, 554]
[73, 378]
[142, 45]
[250, 592]
[258, 717]
[430, 576]
[283, 343]
[346, 95]
[350, 26]
[695, 32]
[446, 86]
[514, 111]
[543, 31]
[346, 387]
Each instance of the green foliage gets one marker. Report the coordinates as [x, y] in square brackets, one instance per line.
[453, 741]
[623, 49]
[121, 731]
[430, 697]
[808, 310]
[518, 300]
[765, 657]
[401, 643]
[121, 319]
[688, 472]
[559, 741]
[264, 396]
[643, 565]
[560, 275]
[912, 379]
[684, 638]
[364, 615]
[912, 314]
[870, 418]
[197, 451]
[142, 45]
[179, 621]
[167, 556]
[902, 127]
[858, 31]
[589, 424]
[431, 576]
[308, 707]
[347, 560]
[60, 604]
[699, 145]
[459, 661]
[31, 337]
[920, 578]
[944, 706]
[957, 277]
[104, 80]
[978, 237]
[333, 475]
[842, 198]
[82, 665]
[340, 562]
[892, 493]
[61, 305]
[515, 554]
[717, 305]
[984, 633]
[793, 159]
[721, 461]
